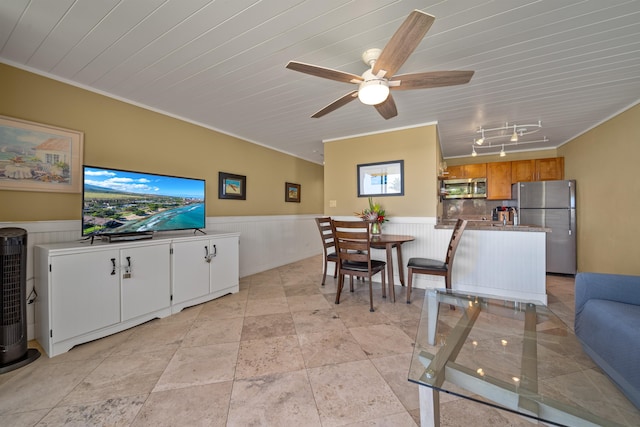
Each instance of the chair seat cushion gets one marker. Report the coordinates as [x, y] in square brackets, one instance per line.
[427, 264]
[362, 266]
[332, 256]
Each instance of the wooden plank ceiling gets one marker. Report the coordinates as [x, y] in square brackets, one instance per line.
[569, 64]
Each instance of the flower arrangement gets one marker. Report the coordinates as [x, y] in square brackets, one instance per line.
[374, 213]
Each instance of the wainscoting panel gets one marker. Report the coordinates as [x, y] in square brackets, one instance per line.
[268, 242]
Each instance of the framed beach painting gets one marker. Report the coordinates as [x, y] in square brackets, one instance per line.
[381, 179]
[292, 192]
[231, 186]
[38, 157]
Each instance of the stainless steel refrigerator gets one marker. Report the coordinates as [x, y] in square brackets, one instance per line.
[551, 204]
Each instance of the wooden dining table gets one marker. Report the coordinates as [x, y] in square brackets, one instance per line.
[388, 242]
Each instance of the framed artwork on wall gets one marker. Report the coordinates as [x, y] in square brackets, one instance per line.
[381, 179]
[39, 157]
[231, 186]
[292, 192]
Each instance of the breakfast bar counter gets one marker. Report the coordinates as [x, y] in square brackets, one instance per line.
[502, 260]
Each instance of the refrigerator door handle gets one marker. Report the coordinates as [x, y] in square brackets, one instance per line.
[570, 223]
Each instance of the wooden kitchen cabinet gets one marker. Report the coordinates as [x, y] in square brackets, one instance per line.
[499, 181]
[537, 170]
[455, 172]
[476, 170]
[550, 169]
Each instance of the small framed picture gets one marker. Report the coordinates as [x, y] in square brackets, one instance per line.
[231, 186]
[291, 192]
[381, 179]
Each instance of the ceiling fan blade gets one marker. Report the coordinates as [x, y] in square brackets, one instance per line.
[325, 73]
[430, 79]
[387, 108]
[403, 42]
[344, 100]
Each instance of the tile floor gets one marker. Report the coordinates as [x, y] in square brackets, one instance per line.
[278, 353]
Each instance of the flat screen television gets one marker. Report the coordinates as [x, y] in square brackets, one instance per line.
[125, 202]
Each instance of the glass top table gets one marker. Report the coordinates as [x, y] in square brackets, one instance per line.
[513, 355]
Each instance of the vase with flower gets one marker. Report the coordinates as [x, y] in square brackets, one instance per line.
[375, 215]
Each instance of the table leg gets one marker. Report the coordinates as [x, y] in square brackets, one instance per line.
[392, 291]
[400, 263]
[429, 406]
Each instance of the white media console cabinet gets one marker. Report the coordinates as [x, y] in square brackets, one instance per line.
[88, 291]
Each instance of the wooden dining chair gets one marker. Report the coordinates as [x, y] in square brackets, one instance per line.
[328, 245]
[435, 267]
[353, 244]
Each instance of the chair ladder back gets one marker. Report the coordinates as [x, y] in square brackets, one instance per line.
[461, 224]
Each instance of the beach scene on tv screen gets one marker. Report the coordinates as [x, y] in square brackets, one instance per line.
[118, 201]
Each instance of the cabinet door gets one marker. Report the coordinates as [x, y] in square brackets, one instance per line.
[499, 181]
[550, 169]
[190, 270]
[478, 170]
[523, 171]
[455, 172]
[145, 275]
[85, 293]
[224, 265]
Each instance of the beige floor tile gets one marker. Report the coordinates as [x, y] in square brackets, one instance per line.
[193, 366]
[382, 340]
[23, 419]
[218, 331]
[308, 302]
[351, 392]
[42, 385]
[120, 377]
[267, 326]
[394, 369]
[317, 321]
[153, 336]
[225, 307]
[301, 290]
[260, 307]
[282, 399]
[403, 419]
[329, 347]
[263, 292]
[113, 412]
[269, 356]
[202, 405]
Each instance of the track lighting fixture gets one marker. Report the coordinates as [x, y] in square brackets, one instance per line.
[514, 132]
[514, 137]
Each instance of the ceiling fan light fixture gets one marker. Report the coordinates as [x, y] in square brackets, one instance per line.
[373, 90]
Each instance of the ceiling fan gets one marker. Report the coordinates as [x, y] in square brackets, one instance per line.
[374, 84]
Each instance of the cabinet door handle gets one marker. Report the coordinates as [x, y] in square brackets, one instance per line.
[206, 252]
[113, 266]
[127, 270]
[215, 251]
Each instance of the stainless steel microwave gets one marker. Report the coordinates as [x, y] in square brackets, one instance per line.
[471, 188]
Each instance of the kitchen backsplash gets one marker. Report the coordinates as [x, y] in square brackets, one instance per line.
[474, 209]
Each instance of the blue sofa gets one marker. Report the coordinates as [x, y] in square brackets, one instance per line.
[607, 322]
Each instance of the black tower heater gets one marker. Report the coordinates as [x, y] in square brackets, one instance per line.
[13, 301]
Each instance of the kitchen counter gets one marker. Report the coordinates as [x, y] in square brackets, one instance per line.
[510, 265]
[492, 226]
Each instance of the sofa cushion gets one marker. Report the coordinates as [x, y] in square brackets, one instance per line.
[610, 334]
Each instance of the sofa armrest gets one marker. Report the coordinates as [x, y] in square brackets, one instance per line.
[612, 287]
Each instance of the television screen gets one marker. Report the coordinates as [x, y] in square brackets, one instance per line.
[118, 201]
